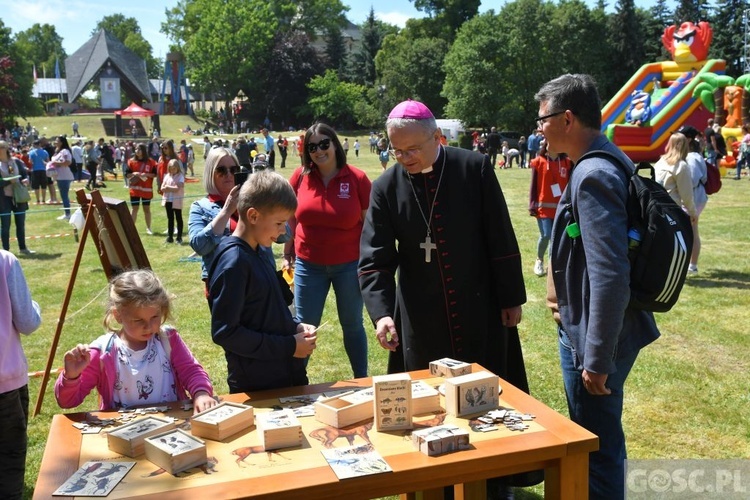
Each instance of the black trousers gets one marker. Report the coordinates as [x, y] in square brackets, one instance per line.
[14, 418]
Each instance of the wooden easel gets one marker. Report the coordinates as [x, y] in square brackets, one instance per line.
[119, 248]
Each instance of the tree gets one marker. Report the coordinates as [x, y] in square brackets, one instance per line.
[448, 16]
[653, 22]
[496, 64]
[228, 45]
[411, 68]
[127, 31]
[336, 51]
[292, 65]
[15, 82]
[363, 61]
[690, 10]
[334, 101]
[728, 35]
[41, 45]
[626, 41]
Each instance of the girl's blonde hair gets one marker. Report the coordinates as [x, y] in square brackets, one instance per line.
[173, 163]
[677, 150]
[139, 288]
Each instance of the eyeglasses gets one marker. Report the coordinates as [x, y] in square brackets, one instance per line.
[323, 145]
[541, 120]
[223, 170]
[405, 153]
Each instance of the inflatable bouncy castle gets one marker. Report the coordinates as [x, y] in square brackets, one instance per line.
[676, 94]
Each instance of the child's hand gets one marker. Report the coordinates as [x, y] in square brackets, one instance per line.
[305, 328]
[76, 360]
[202, 402]
[305, 342]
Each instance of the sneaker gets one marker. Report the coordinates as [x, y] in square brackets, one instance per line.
[539, 268]
[149, 232]
[169, 240]
[692, 269]
[179, 241]
[64, 217]
[26, 251]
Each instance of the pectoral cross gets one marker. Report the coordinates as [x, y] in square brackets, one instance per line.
[428, 247]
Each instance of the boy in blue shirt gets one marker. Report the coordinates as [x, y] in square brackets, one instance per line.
[265, 347]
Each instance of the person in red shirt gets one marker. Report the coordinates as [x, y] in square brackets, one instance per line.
[301, 149]
[140, 173]
[549, 177]
[332, 201]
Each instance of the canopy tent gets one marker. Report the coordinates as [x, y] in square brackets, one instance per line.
[135, 110]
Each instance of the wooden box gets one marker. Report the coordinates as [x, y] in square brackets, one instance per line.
[222, 421]
[176, 451]
[278, 429]
[344, 409]
[129, 439]
[441, 439]
[448, 368]
[424, 399]
[392, 402]
[470, 394]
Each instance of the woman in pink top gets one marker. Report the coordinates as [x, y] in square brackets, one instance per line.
[332, 200]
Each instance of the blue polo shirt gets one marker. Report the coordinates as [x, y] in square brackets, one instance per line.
[39, 159]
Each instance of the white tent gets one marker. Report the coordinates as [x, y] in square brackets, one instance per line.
[450, 128]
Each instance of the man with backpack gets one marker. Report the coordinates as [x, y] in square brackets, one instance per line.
[600, 332]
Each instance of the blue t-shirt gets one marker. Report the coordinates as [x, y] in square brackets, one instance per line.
[39, 159]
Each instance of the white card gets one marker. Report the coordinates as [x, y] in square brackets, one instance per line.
[556, 190]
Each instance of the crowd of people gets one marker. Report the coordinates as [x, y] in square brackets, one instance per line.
[395, 248]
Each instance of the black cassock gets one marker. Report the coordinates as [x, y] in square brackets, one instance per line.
[451, 306]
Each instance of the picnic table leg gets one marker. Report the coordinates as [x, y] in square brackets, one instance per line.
[569, 480]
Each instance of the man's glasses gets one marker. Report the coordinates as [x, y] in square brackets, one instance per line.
[406, 153]
[323, 145]
[223, 170]
[540, 120]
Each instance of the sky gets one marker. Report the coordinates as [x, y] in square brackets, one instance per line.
[75, 19]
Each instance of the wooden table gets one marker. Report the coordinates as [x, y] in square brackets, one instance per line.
[559, 446]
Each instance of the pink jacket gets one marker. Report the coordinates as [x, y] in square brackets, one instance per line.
[101, 372]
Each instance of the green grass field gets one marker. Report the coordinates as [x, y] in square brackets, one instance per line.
[687, 397]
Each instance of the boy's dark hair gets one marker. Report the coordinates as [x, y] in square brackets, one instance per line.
[576, 93]
[265, 191]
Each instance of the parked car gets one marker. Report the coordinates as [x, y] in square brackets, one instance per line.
[511, 137]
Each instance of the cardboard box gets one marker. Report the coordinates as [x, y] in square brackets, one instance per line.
[448, 368]
[424, 399]
[441, 439]
[129, 439]
[278, 429]
[392, 402]
[176, 451]
[470, 394]
[344, 409]
[222, 421]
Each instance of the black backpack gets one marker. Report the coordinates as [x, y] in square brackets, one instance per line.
[659, 261]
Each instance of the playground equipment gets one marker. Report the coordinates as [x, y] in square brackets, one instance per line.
[671, 86]
[179, 99]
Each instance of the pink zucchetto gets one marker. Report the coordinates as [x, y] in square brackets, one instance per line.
[411, 109]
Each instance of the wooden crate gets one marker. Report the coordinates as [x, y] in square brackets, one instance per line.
[129, 439]
[448, 368]
[176, 451]
[222, 421]
[344, 409]
[424, 399]
[441, 439]
[470, 394]
[392, 402]
[278, 429]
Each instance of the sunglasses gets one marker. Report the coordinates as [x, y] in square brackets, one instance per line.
[222, 170]
[323, 145]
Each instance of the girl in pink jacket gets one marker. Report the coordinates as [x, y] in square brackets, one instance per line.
[142, 362]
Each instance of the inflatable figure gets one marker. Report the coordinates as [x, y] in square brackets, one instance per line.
[733, 106]
[639, 111]
[689, 43]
